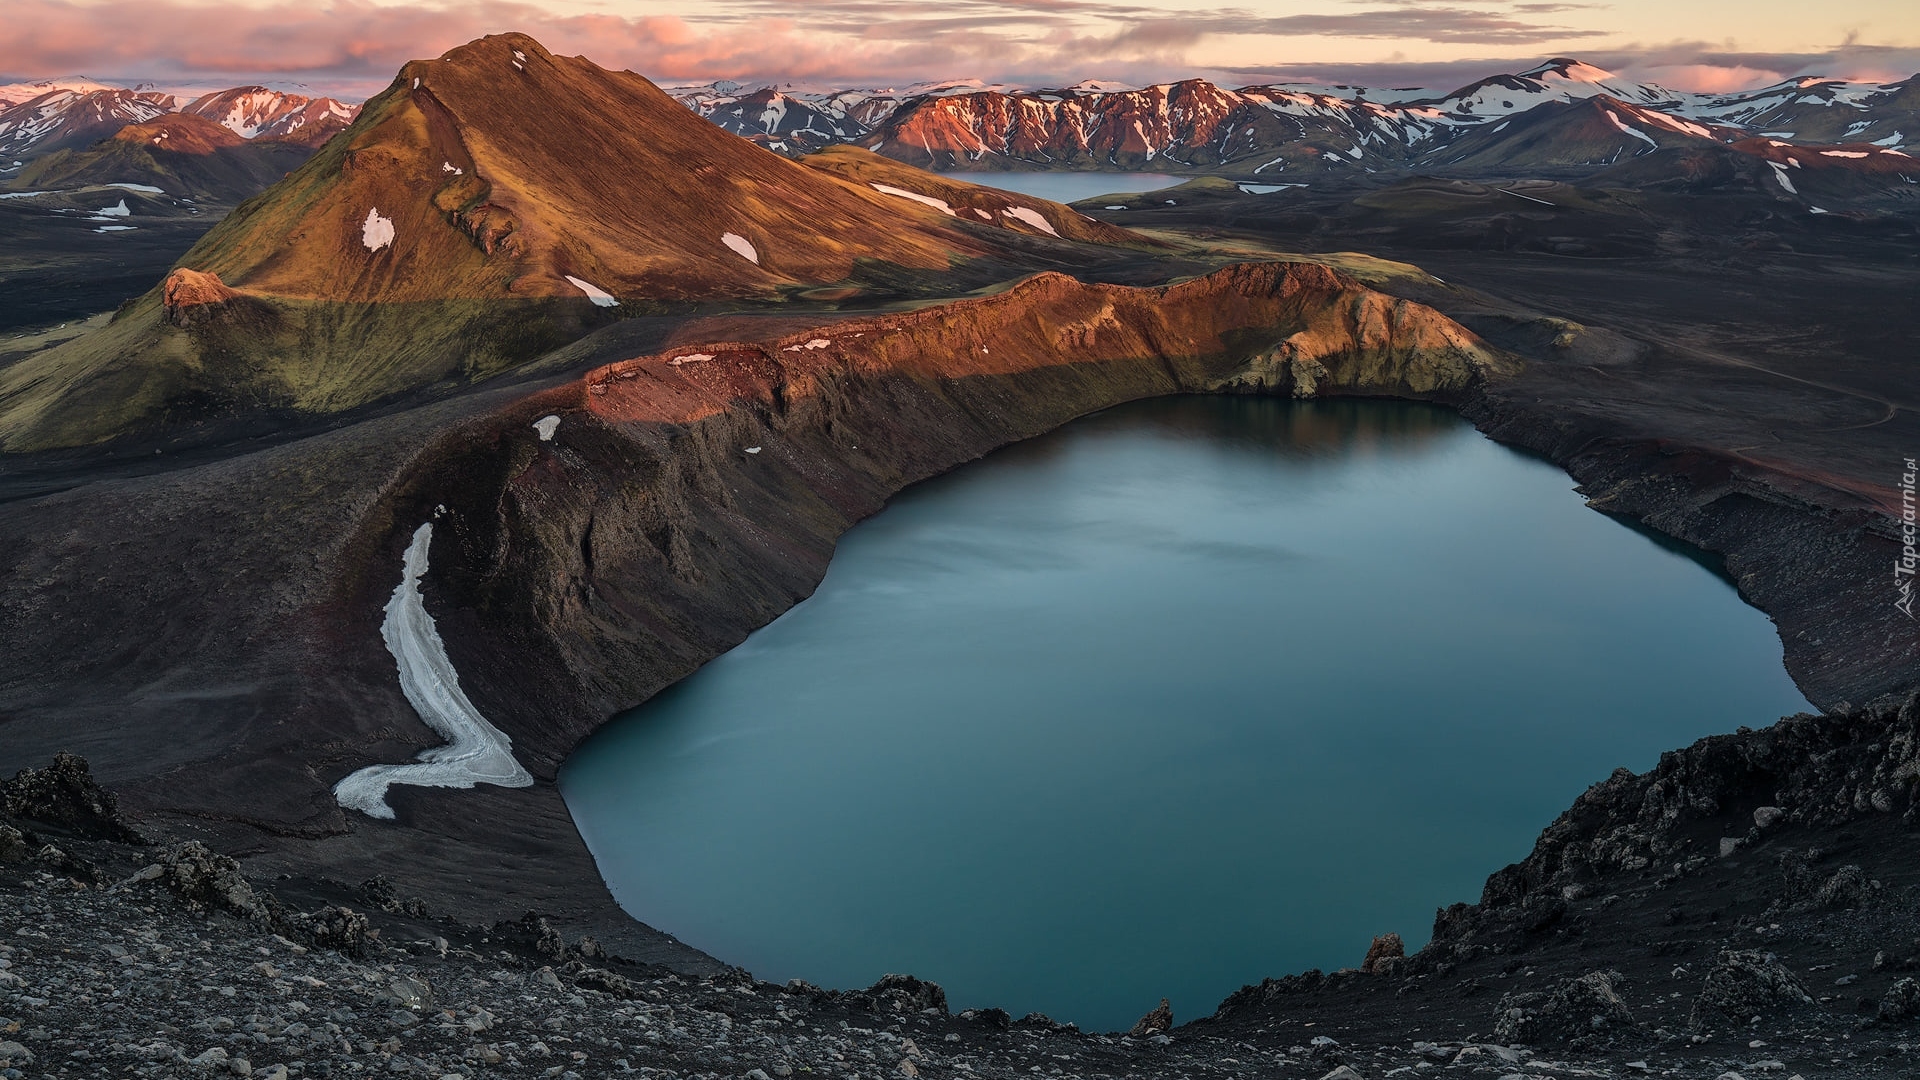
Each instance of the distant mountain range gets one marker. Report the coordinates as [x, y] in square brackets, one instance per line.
[37, 119]
[1564, 117]
[1196, 126]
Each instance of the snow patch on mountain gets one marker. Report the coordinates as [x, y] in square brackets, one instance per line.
[1031, 217]
[475, 752]
[376, 232]
[599, 296]
[741, 247]
[937, 204]
[1630, 130]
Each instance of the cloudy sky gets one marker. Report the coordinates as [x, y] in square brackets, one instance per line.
[352, 47]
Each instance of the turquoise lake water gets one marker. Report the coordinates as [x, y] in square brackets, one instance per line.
[1187, 693]
[1069, 187]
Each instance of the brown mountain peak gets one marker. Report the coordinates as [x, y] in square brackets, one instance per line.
[180, 133]
[500, 170]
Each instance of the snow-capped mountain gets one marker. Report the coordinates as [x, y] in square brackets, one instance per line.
[179, 153]
[1589, 130]
[15, 93]
[255, 112]
[62, 114]
[1822, 110]
[1196, 125]
[789, 121]
[1191, 124]
[1559, 79]
[62, 118]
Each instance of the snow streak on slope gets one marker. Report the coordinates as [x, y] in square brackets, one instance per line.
[476, 752]
[599, 296]
[937, 204]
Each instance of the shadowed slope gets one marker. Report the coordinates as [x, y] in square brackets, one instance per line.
[180, 153]
[987, 205]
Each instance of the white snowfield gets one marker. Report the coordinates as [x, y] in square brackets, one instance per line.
[151, 190]
[1031, 217]
[376, 232]
[928, 200]
[1625, 129]
[120, 209]
[546, 426]
[690, 358]
[599, 296]
[741, 246]
[476, 752]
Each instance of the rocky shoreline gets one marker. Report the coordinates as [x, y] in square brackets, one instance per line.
[1747, 907]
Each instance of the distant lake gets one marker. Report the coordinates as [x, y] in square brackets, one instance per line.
[1069, 187]
[1187, 693]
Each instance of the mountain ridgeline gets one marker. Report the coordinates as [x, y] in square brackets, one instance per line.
[1292, 131]
[41, 119]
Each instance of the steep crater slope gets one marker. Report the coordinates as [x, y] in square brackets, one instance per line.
[586, 586]
[575, 575]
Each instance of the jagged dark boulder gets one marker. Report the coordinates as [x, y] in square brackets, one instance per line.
[539, 934]
[65, 795]
[1156, 1022]
[1744, 984]
[341, 929]
[1585, 1012]
[1847, 888]
[1254, 995]
[1384, 955]
[996, 1018]
[210, 881]
[1901, 1001]
[607, 982]
[1805, 770]
[904, 994]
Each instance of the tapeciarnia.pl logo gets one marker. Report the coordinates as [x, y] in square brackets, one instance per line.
[1904, 566]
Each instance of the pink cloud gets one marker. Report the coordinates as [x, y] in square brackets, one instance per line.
[358, 45]
[1709, 79]
[352, 47]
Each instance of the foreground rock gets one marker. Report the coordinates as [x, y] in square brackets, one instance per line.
[1655, 921]
[123, 957]
[172, 968]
